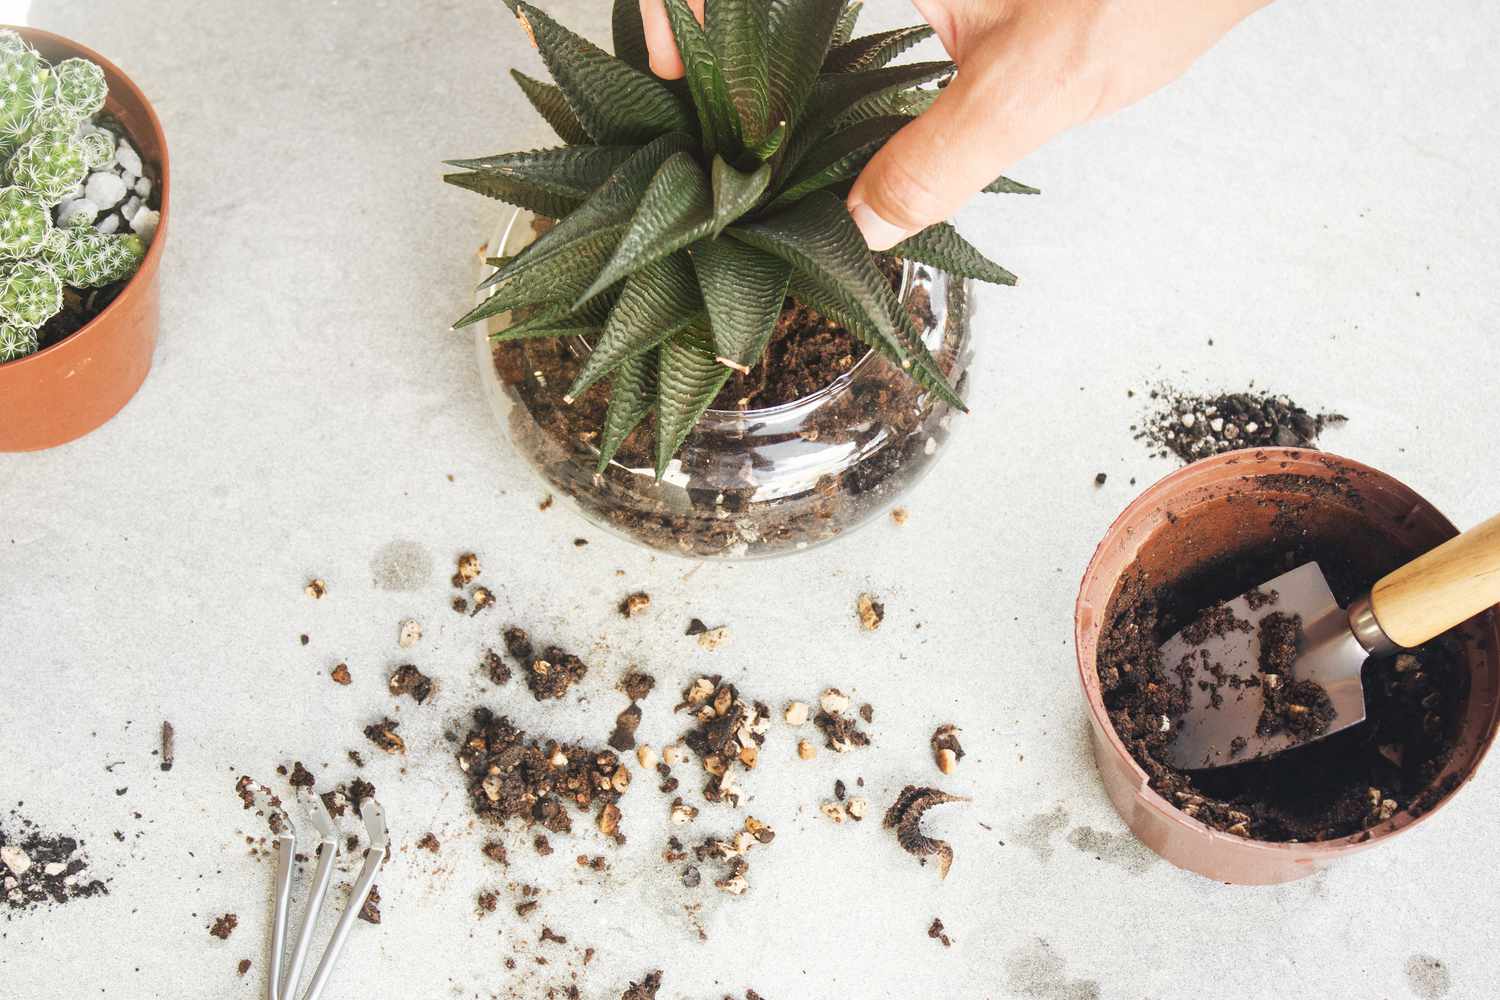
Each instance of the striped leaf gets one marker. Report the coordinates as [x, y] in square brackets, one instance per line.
[737, 31]
[839, 158]
[676, 210]
[735, 192]
[616, 102]
[559, 321]
[656, 303]
[632, 393]
[688, 378]
[559, 278]
[743, 290]
[829, 257]
[630, 34]
[943, 248]
[719, 123]
[801, 32]
[552, 106]
[848, 21]
[842, 95]
[573, 172]
[514, 192]
[1004, 185]
[874, 51]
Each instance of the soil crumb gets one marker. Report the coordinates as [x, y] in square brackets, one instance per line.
[39, 869]
[1192, 426]
[224, 926]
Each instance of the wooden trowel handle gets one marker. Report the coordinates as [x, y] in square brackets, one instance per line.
[1434, 592]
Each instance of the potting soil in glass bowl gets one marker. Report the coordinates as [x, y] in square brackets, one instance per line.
[758, 476]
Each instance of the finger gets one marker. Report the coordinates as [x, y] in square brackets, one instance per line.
[666, 61]
[931, 167]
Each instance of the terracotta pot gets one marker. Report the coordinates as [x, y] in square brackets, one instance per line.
[1239, 503]
[70, 388]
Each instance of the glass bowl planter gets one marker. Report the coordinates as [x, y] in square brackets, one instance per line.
[746, 483]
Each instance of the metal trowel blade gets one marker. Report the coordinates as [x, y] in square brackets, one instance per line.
[1208, 736]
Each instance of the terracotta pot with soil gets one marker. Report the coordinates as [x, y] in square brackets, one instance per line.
[816, 440]
[1208, 533]
[94, 354]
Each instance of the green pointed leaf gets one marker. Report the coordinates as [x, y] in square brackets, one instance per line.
[573, 172]
[558, 320]
[559, 278]
[657, 302]
[717, 118]
[737, 31]
[911, 103]
[552, 106]
[616, 102]
[848, 21]
[1004, 185]
[632, 393]
[630, 34]
[605, 213]
[688, 378]
[675, 210]
[513, 192]
[825, 249]
[874, 51]
[800, 32]
[841, 95]
[743, 290]
[735, 192]
[768, 146]
[839, 158]
[943, 248]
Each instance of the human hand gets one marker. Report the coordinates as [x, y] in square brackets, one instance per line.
[1028, 70]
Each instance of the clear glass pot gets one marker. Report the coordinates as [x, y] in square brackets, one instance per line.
[747, 483]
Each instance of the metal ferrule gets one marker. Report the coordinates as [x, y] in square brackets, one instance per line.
[1367, 630]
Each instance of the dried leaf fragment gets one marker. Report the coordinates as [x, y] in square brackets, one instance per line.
[905, 817]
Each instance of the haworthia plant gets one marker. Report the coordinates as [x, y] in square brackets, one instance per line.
[686, 212]
[47, 148]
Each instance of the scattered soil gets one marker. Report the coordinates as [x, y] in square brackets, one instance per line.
[513, 776]
[549, 675]
[637, 685]
[1193, 426]
[429, 842]
[905, 817]
[370, 912]
[383, 734]
[168, 746]
[890, 424]
[1300, 707]
[730, 732]
[840, 730]
[626, 723]
[40, 869]
[871, 612]
[340, 674]
[495, 668]
[947, 751]
[1335, 786]
[410, 681]
[936, 932]
[243, 967]
[645, 989]
[301, 777]
[224, 926]
[635, 605]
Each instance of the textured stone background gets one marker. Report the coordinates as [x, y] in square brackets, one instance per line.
[1316, 197]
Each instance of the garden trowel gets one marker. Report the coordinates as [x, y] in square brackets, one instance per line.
[1219, 658]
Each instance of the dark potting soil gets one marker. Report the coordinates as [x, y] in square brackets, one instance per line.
[1300, 707]
[1193, 426]
[40, 869]
[1334, 787]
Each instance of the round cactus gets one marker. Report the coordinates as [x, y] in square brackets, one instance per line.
[50, 166]
[79, 88]
[98, 147]
[24, 223]
[30, 294]
[16, 342]
[24, 88]
[87, 258]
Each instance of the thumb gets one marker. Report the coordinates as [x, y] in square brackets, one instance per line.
[931, 167]
[666, 61]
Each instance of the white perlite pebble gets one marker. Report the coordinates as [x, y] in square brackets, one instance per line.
[129, 179]
[104, 189]
[16, 860]
[145, 222]
[143, 187]
[70, 212]
[131, 206]
[111, 222]
[129, 158]
[54, 869]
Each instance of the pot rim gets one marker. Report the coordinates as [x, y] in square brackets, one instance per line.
[1149, 796]
[717, 416]
[154, 251]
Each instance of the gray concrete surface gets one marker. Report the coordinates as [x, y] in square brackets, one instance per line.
[1312, 207]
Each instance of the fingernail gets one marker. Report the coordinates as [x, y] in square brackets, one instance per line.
[879, 234]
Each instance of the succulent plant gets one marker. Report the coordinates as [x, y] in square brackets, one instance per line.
[687, 211]
[48, 146]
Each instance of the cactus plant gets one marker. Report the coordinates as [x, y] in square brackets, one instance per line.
[687, 211]
[48, 145]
